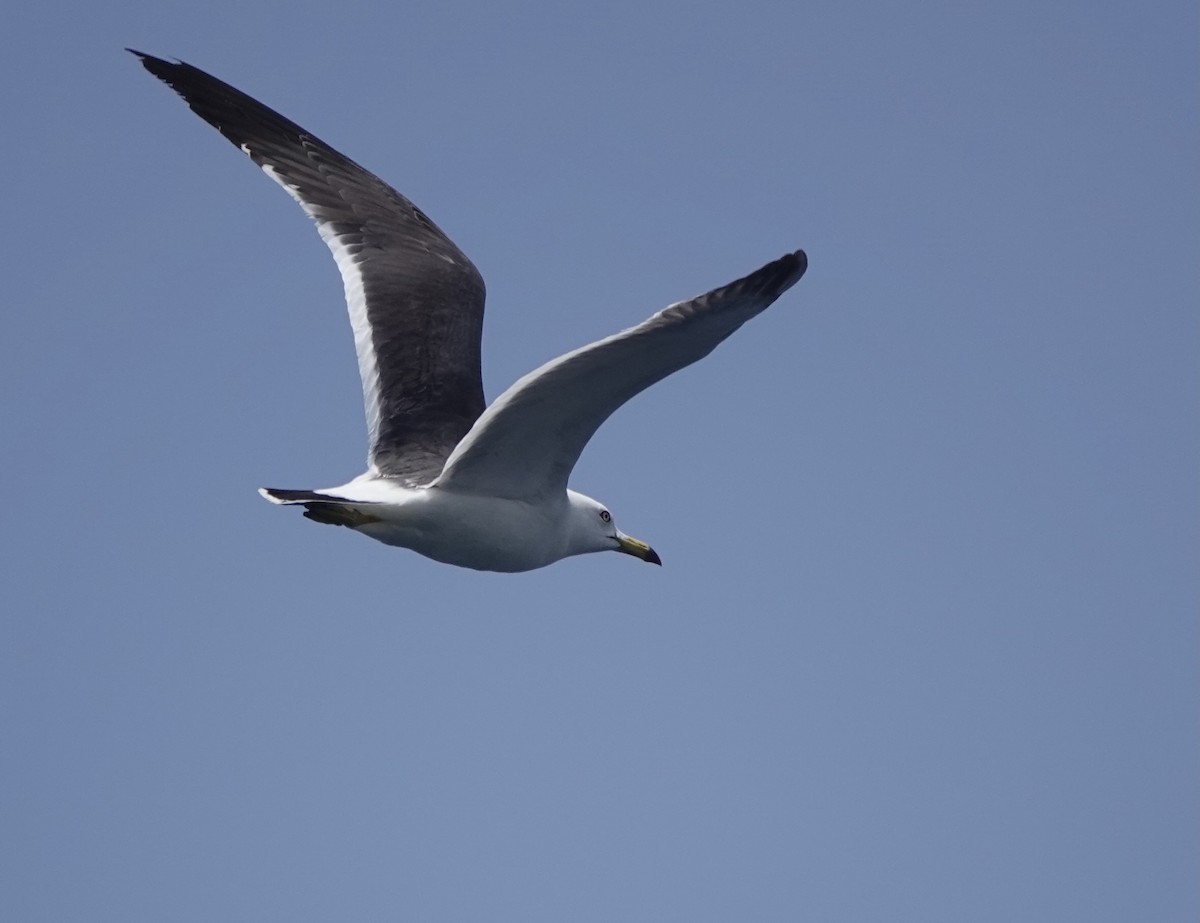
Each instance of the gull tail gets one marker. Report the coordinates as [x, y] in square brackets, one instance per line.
[323, 508]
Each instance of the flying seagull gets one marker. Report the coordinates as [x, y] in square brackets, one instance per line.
[447, 478]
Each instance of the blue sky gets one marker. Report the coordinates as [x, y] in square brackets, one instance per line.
[925, 643]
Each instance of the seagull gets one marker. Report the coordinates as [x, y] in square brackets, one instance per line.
[464, 484]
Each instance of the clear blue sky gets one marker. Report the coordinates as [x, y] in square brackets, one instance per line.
[925, 646]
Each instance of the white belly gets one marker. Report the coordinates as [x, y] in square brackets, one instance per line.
[483, 533]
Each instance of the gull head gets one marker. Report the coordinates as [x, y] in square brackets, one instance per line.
[591, 528]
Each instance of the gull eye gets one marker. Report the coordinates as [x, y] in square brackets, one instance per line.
[605, 516]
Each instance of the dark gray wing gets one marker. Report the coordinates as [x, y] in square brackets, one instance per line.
[415, 301]
[526, 443]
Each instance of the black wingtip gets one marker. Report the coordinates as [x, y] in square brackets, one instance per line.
[157, 66]
[793, 265]
[163, 70]
[145, 58]
[780, 275]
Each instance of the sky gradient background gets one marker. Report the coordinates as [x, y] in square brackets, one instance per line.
[925, 643]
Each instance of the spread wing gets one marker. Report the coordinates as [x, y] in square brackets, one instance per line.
[415, 301]
[526, 443]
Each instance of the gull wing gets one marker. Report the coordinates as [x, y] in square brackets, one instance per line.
[526, 443]
[415, 301]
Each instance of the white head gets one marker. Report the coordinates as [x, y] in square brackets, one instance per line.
[590, 527]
